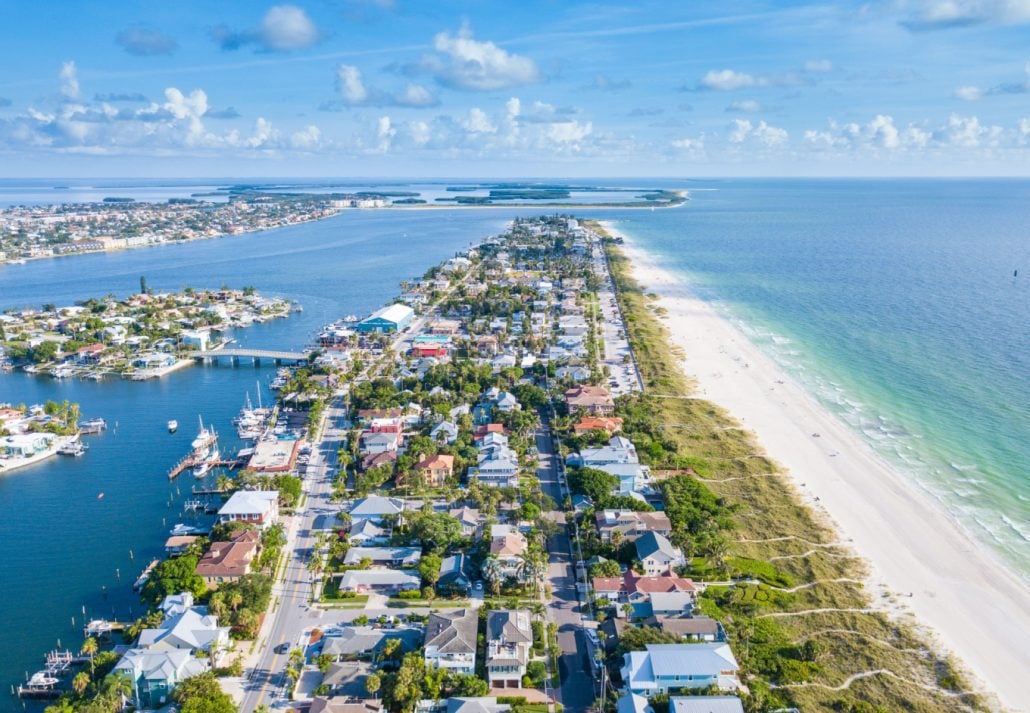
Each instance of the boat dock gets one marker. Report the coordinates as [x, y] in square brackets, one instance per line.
[102, 627]
[43, 684]
[190, 461]
[145, 575]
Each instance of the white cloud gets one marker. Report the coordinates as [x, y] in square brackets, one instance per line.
[969, 93]
[766, 135]
[463, 62]
[883, 132]
[968, 132]
[727, 80]
[748, 106]
[353, 92]
[288, 27]
[478, 122]
[308, 138]
[417, 95]
[385, 132]
[420, 132]
[350, 85]
[189, 108]
[818, 66]
[565, 132]
[942, 14]
[69, 77]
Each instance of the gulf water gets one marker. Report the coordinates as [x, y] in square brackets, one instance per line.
[896, 304]
[893, 302]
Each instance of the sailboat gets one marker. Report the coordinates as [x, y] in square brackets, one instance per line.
[205, 450]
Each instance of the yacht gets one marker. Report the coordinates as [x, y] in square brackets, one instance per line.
[173, 426]
[72, 448]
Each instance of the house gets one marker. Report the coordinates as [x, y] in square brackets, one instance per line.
[346, 680]
[454, 577]
[630, 524]
[373, 443]
[89, 354]
[259, 507]
[196, 339]
[229, 561]
[508, 545]
[506, 402]
[374, 460]
[321, 704]
[393, 318]
[671, 603]
[470, 519]
[155, 674]
[667, 667]
[696, 628]
[379, 581]
[705, 704]
[609, 424]
[365, 532]
[375, 508]
[175, 604]
[632, 703]
[593, 400]
[190, 630]
[435, 470]
[577, 374]
[508, 640]
[384, 556]
[634, 587]
[451, 640]
[444, 432]
[657, 555]
[26, 445]
[499, 471]
[482, 704]
[365, 641]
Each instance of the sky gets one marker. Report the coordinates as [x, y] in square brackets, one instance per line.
[407, 88]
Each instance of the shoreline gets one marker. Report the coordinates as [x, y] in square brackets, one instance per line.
[910, 545]
[684, 196]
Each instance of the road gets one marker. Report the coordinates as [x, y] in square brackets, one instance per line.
[617, 356]
[293, 614]
[577, 685]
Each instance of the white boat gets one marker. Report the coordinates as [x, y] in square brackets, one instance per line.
[93, 425]
[350, 318]
[206, 437]
[17, 261]
[173, 426]
[204, 466]
[182, 529]
[72, 448]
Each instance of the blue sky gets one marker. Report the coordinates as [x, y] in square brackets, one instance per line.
[534, 88]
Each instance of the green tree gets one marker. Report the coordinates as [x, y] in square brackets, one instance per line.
[90, 648]
[429, 569]
[202, 694]
[373, 683]
[80, 683]
[403, 689]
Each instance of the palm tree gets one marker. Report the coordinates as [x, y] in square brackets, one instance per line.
[493, 573]
[223, 482]
[81, 682]
[117, 689]
[235, 600]
[373, 683]
[90, 648]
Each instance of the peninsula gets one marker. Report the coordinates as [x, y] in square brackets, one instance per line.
[142, 336]
[501, 487]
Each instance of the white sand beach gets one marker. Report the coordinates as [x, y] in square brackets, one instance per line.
[973, 603]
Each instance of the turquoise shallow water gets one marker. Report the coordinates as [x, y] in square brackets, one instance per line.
[894, 302]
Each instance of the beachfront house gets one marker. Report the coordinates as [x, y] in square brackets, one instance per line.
[593, 400]
[668, 667]
[258, 507]
[657, 555]
[451, 640]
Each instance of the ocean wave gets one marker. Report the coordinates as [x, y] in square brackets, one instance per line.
[962, 468]
[1022, 530]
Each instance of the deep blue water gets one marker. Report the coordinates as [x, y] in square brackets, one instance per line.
[895, 303]
[892, 301]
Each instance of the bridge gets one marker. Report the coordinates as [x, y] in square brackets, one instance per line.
[271, 354]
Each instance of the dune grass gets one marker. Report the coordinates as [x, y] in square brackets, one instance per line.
[879, 662]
